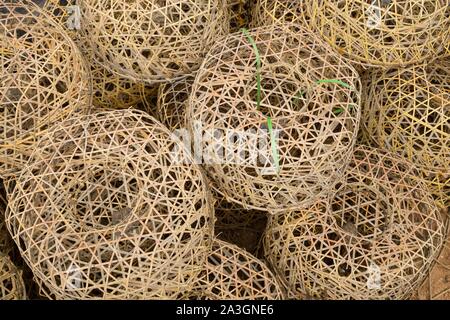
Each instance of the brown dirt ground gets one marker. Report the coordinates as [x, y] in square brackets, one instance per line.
[437, 285]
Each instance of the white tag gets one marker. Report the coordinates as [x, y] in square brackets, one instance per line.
[74, 277]
[374, 280]
[74, 20]
[373, 15]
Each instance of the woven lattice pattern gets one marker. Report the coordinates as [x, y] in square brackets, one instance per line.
[316, 122]
[407, 112]
[11, 283]
[109, 89]
[375, 239]
[382, 32]
[267, 12]
[103, 212]
[233, 274]
[153, 40]
[42, 80]
[173, 101]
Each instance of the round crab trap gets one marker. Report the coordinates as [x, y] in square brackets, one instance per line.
[385, 33]
[407, 112]
[153, 41]
[109, 90]
[102, 211]
[173, 102]
[268, 12]
[375, 239]
[11, 282]
[233, 274]
[42, 80]
[273, 115]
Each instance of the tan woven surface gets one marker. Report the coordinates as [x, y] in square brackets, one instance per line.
[109, 89]
[233, 274]
[11, 283]
[153, 41]
[375, 239]
[382, 32]
[407, 111]
[267, 12]
[102, 212]
[317, 122]
[42, 80]
[173, 102]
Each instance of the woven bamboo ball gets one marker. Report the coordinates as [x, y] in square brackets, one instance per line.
[153, 41]
[407, 111]
[375, 239]
[267, 12]
[312, 97]
[102, 211]
[109, 89]
[11, 283]
[233, 274]
[43, 79]
[384, 33]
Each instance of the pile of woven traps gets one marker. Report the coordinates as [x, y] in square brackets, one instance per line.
[224, 149]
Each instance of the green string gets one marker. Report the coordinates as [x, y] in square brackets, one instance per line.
[258, 67]
[342, 83]
[336, 81]
[273, 142]
[340, 110]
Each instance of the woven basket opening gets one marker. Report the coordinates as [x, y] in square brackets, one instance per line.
[119, 188]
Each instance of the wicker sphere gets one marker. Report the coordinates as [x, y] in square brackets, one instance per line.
[109, 90]
[316, 119]
[267, 12]
[173, 102]
[102, 211]
[11, 282]
[407, 111]
[382, 33]
[375, 239]
[153, 40]
[234, 274]
[43, 79]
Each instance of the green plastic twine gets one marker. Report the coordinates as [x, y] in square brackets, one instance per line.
[273, 142]
[336, 81]
[342, 83]
[258, 67]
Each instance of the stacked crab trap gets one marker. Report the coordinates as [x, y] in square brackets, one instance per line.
[224, 149]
